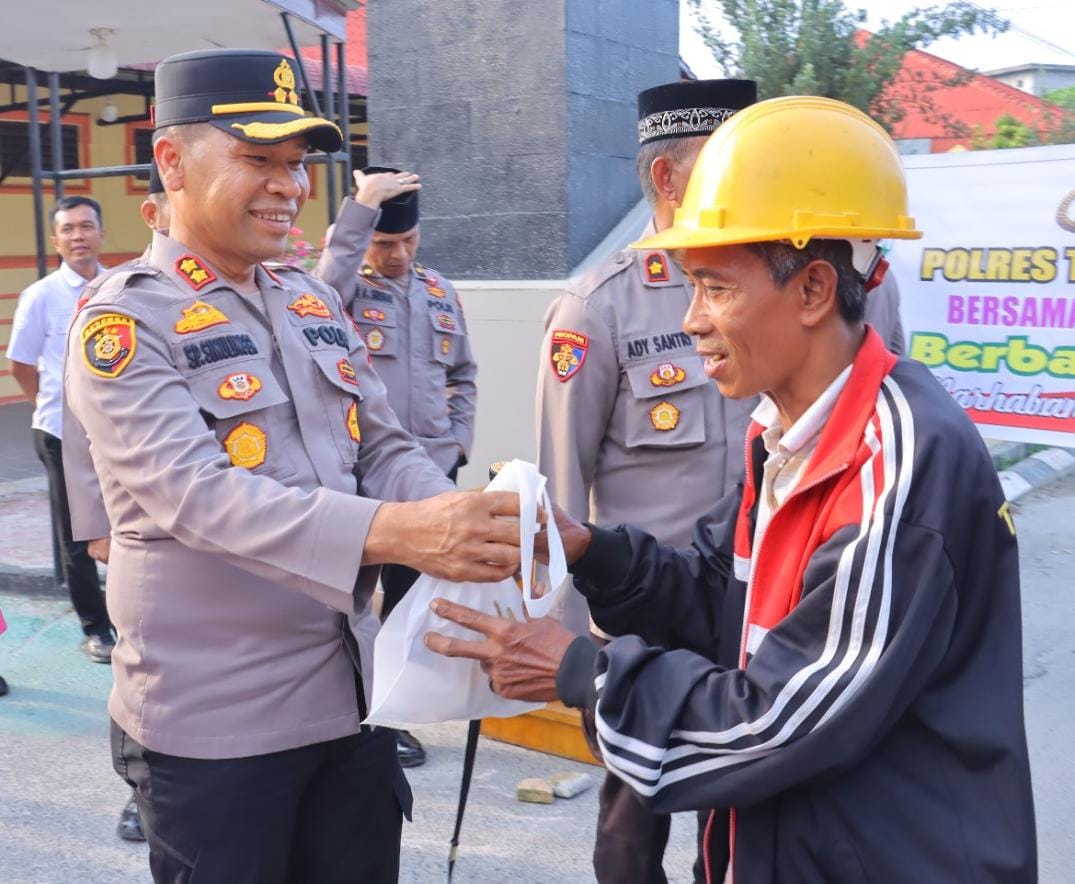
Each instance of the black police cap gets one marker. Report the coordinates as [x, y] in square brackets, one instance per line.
[155, 183]
[691, 107]
[398, 214]
[251, 94]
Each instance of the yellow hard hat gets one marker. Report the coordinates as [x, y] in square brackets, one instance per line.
[793, 169]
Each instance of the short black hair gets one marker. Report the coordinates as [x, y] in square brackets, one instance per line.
[784, 260]
[73, 202]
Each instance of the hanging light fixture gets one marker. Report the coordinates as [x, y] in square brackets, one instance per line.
[109, 113]
[102, 63]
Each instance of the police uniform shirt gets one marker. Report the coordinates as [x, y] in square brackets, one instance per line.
[416, 334]
[229, 446]
[630, 429]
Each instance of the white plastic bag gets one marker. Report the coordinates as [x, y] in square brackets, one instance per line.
[411, 684]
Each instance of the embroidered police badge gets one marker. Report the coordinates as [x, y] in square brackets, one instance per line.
[108, 344]
[446, 322]
[375, 339]
[664, 416]
[353, 429]
[667, 375]
[241, 386]
[194, 271]
[200, 315]
[347, 372]
[309, 305]
[374, 315]
[445, 346]
[656, 267]
[569, 350]
[246, 446]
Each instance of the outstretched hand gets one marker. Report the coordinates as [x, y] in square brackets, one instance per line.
[574, 536]
[521, 658]
[372, 190]
[459, 535]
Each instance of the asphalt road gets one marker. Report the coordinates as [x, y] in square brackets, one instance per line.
[59, 799]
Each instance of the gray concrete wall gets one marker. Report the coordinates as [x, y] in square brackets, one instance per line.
[615, 49]
[520, 117]
[505, 323]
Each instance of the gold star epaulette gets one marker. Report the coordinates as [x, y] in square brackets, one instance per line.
[194, 271]
[656, 267]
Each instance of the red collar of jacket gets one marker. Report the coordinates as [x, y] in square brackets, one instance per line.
[814, 509]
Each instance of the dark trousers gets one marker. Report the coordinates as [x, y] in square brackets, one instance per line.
[329, 813]
[397, 579]
[79, 570]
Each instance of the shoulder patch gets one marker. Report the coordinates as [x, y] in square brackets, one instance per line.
[309, 305]
[568, 353]
[200, 315]
[656, 265]
[194, 271]
[108, 344]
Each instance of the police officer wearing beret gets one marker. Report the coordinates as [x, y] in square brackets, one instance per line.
[254, 476]
[627, 418]
[412, 322]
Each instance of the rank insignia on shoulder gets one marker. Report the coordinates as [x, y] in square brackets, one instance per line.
[446, 321]
[374, 315]
[241, 386]
[667, 375]
[108, 344]
[656, 267]
[309, 305]
[375, 339]
[424, 274]
[569, 350]
[664, 416]
[347, 372]
[353, 430]
[246, 445]
[446, 346]
[194, 271]
[200, 315]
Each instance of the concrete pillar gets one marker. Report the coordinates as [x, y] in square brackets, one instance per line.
[520, 116]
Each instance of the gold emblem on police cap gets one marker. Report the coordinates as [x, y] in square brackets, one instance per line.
[284, 78]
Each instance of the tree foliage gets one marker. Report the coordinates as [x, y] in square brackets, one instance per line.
[815, 47]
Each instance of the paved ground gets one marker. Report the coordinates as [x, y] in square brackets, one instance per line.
[18, 460]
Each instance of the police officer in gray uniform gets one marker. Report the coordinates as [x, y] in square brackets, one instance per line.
[627, 419]
[248, 460]
[412, 322]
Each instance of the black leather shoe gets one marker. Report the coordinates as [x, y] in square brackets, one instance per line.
[3, 687]
[130, 822]
[409, 750]
[98, 647]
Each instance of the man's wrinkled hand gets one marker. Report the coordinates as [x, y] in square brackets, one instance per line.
[573, 534]
[521, 658]
[461, 536]
[373, 189]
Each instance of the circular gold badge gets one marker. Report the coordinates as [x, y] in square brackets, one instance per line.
[664, 416]
[246, 446]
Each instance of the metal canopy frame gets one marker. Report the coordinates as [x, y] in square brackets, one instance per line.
[136, 82]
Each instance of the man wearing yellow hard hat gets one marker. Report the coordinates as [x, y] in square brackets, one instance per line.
[837, 657]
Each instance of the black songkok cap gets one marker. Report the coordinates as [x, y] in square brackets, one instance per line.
[155, 183]
[249, 93]
[398, 214]
[691, 107]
